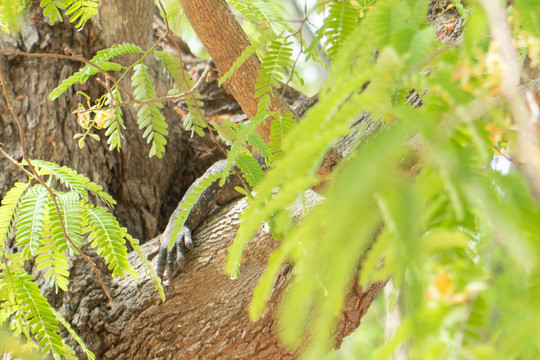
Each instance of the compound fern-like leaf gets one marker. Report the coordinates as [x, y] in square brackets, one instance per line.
[8, 305]
[195, 120]
[75, 336]
[114, 124]
[50, 257]
[281, 125]
[30, 220]
[41, 320]
[189, 202]
[75, 181]
[338, 25]
[52, 9]
[82, 10]
[273, 66]
[149, 117]
[258, 144]
[250, 50]
[8, 210]
[250, 167]
[227, 130]
[82, 76]
[71, 212]
[244, 134]
[147, 264]
[108, 237]
[101, 59]
[263, 15]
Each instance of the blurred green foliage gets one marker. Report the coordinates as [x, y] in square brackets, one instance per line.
[12, 13]
[458, 235]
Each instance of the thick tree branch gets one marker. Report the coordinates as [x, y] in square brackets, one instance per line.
[219, 31]
[205, 315]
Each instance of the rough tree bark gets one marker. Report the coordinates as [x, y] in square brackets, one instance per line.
[221, 34]
[145, 200]
[205, 314]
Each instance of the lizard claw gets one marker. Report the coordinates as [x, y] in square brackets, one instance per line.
[162, 259]
[176, 256]
[188, 242]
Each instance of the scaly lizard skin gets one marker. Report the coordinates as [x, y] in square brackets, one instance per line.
[210, 197]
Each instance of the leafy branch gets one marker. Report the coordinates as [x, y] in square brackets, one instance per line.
[49, 225]
[49, 190]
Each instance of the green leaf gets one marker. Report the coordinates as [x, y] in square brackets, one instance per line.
[71, 212]
[147, 264]
[109, 238]
[227, 131]
[101, 59]
[30, 220]
[188, 202]
[149, 117]
[337, 26]
[114, 124]
[9, 207]
[245, 132]
[41, 319]
[53, 257]
[250, 167]
[196, 121]
[281, 125]
[264, 15]
[273, 66]
[89, 354]
[69, 177]
[250, 50]
[52, 9]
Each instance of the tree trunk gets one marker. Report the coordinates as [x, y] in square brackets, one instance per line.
[147, 190]
[205, 314]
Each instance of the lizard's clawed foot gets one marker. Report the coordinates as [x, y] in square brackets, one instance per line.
[175, 257]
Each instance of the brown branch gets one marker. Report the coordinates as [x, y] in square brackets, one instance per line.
[49, 190]
[221, 34]
[29, 174]
[195, 87]
[517, 164]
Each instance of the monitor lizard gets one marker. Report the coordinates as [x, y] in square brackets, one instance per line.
[209, 198]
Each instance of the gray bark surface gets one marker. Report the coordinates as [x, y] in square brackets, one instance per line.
[147, 190]
[205, 314]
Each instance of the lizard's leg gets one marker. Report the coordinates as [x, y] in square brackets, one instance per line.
[203, 206]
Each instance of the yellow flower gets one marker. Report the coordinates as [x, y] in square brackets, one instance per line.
[101, 118]
[84, 120]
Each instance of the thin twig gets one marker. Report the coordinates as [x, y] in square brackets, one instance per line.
[518, 165]
[29, 174]
[49, 190]
[74, 58]
[196, 86]
[523, 111]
